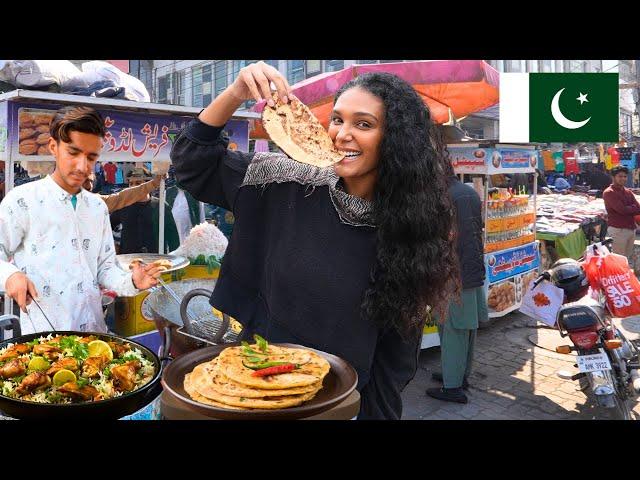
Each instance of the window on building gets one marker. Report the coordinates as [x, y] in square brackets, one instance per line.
[575, 66]
[196, 81]
[164, 83]
[547, 66]
[178, 87]
[333, 65]
[312, 67]
[364, 62]
[220, 77]
[626, 124]
[474, 132]
[514, 65]
[532, 66]
[134, 68]
[295, 71]
[273, 63]
[238, 64]
[498, 65]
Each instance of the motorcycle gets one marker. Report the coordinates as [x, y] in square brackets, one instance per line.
[605, 357]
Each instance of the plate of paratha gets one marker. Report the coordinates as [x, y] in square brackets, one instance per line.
[296, 130]
[221, 381]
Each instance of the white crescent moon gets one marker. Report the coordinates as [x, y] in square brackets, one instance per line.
[560, 118]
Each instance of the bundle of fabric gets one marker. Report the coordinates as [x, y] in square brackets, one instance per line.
[96, 78]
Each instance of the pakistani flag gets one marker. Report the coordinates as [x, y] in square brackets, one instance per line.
[559, 107]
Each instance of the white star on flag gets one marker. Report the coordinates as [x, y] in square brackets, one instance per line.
[582, 98]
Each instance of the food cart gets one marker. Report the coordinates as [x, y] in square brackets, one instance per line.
[138, 132]
[512, 256]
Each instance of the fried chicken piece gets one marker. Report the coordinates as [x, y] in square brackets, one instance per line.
[51, 352]
[68, 363]
[93, 366]
[16, 350]
[119, 348]
[124, 376]
[55, 340]
[71, 389]
[13, 368]
[33, 381]
[88, 339]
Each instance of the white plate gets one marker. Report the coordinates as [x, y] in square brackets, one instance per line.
[595, 362]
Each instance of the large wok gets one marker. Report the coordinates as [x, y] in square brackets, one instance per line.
[109, 409]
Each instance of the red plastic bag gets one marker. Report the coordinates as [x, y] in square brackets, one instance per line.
[612, 275]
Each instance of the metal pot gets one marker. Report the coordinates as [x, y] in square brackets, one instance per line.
[112, 408]
[189, 325]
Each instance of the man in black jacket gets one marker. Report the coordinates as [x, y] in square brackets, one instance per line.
[458, 332]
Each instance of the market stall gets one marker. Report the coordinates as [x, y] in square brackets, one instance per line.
[512, 255]
[566, 224]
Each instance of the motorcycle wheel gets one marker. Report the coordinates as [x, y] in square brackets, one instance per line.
[622, 407]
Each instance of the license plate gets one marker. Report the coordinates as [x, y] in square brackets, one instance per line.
[595, 362]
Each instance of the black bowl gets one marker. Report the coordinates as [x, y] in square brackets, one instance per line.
[109, 409]
[336, 386]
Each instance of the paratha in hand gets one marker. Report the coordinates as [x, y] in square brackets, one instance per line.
[294, 128]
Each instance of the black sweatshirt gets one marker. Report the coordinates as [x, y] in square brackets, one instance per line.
[299, 260]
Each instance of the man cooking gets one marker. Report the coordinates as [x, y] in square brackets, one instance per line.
[59, 236]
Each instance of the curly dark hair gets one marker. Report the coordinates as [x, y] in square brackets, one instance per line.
[416, 265]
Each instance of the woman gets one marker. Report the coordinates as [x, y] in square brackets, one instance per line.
[343, 259]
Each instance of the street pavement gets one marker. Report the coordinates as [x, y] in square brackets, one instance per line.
[513, 378]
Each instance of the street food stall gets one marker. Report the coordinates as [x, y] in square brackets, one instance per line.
[512, 256]
[138, 132]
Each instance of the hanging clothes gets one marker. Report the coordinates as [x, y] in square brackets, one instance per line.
[119, 176]
[110, 172]
[549, 162]
[557, 157]
[570, 162]
[615, 156]
[607, 162]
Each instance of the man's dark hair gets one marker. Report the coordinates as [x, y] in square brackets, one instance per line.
[76, 119]
[619, 169]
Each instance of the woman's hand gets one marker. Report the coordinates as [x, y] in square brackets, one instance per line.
[254, 82]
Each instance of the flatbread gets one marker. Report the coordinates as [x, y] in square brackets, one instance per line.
[193, 393]
[314, 368]
[200, 380]
[210, 381]
[294, 128]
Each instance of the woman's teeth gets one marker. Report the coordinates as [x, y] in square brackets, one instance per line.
[351, 154]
